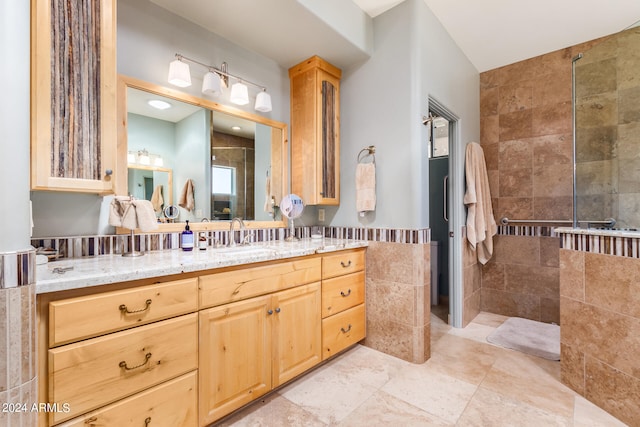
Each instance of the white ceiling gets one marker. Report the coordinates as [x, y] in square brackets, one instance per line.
[491, 33]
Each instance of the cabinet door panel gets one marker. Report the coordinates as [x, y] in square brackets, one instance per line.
[297, 331]
[235, 356]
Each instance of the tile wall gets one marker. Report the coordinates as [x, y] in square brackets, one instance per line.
[600, 334]
[18, 389]
[526, 134]
[472, 274]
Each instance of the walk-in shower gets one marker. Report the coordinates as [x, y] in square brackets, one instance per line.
[606, 109]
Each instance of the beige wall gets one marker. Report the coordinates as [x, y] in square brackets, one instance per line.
[600, 334]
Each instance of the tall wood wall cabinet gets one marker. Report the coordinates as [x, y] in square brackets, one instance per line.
[315, 131]
[73, 95]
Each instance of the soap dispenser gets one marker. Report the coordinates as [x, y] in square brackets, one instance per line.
[186, 238]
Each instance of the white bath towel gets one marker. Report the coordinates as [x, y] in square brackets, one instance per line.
[187, 199]
[365, 187]
[481, 225]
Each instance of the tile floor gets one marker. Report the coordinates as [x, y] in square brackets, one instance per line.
[467, 382]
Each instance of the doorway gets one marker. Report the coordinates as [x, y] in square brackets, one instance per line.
[445, 193]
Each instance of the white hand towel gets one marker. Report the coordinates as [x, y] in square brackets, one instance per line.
[156, 198]
[481, 225]
[365, 187]
[132, 214]
[145, 215]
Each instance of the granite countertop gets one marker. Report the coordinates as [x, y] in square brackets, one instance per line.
[598, 232]
[106, 269]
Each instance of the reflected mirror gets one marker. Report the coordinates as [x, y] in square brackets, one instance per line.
[212, 161]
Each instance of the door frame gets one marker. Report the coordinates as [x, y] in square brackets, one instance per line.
[457, 214]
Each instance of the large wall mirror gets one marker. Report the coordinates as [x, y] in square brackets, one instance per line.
[212, 161]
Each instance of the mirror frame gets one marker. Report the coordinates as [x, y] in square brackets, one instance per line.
[121, 187]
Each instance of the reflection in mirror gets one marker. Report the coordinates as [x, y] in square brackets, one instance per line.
[151, 183]
[224, 163]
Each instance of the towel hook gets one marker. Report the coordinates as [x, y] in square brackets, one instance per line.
[369, 151]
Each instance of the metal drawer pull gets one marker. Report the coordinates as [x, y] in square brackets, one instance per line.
[123, 364]
[91, 420]
[147, 421]
[347, 294]
[123, 308]
[345, 265]
[269, 312]
[344, 331]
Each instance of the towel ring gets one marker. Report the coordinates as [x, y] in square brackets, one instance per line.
[369, 151]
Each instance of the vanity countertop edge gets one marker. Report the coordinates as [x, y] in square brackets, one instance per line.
[76, 273]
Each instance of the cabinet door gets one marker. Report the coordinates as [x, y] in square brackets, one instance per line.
[235, 356]
[73, 95]
[328, 168]
[297, 332]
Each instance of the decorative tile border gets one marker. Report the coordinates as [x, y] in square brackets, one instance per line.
[601, 244]
[86, 246]
[17, 269]
[527, 230]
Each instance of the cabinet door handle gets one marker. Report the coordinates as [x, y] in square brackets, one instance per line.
[147, 421]
[91, 420]
[269, 312]
[345, 265]
[123, 308]
[344, 331]
[347, 294]
[123, 364]
[108, 172]
[278, 310]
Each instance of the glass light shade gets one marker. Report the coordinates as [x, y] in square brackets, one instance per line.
[263, 102]
[143, 158]
[179, 74]
[239, 94]
[211, 84]
[131, 157]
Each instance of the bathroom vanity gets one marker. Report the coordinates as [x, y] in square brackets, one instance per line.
[183, 339]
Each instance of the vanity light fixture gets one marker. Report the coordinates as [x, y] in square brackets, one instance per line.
[143, 157]
[215, 79]
[239, 94]
[179, 74]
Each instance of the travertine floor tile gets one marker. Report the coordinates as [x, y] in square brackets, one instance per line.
[487, 408]
[274, 410]
[385, 410]
[368, 366]
[438, 328]
[328, 393]
[434, 392]
[586, 414]
[489, 319]
[461, 358]
[473, 331]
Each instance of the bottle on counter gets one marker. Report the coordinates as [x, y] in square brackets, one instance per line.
[202, 242]
[186, 238]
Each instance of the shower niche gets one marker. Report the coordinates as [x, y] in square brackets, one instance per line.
[607, 130]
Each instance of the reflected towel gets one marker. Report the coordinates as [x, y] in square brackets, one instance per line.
[187, 199]
[156, 198]
[132, 214]
[365, 187]
[481, 225]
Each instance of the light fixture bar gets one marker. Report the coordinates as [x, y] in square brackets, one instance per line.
[220, 71]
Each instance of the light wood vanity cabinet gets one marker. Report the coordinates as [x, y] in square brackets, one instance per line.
[343, 296]
[188, 351]
[73, 95]
[315, 131]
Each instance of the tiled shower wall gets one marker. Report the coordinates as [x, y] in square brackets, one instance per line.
[526, 134]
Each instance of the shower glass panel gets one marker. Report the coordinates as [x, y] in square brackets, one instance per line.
[607, 126]
[232, 174]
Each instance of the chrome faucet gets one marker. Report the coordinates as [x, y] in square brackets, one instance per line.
[232, 235]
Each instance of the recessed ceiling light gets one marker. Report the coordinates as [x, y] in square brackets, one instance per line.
[160, 105]
[236, 128]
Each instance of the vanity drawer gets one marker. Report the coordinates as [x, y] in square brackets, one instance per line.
[171, 404]
[342, 330]
[343, 262]
[99, 371]
[83, 317]
[236, 285]
[341, 293]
